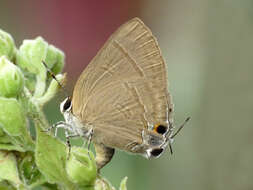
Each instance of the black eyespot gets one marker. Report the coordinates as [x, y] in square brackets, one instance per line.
[170, 110]
[156, 152]
[67, 104]
[161, 129]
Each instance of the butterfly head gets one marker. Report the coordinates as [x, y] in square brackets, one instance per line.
[156, 140]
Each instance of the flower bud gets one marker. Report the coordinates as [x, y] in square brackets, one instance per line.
[7, 45]
[8, 168]
[11, 78]
[55, 59]
[13, 122]
[30, 57]
[51, 90]
[81, 167]
[103, 184]
[31, 54]
[123, 184]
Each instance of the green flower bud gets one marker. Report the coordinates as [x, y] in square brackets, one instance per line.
[31, 54]
[123, 184]
[8, 168]
[55, 59]
[11, 78]
[103, 184]
[81, 167]
[30, 57]
[13, 123]
[7, 45]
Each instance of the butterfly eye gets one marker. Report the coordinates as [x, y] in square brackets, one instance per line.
[156, 152]
[161, 129]
[66, 105]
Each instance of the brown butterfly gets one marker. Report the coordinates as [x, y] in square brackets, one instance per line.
[121, 100]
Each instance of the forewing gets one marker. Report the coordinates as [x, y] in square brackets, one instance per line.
[126, 80]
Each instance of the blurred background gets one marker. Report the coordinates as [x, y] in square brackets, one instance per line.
[208, 48]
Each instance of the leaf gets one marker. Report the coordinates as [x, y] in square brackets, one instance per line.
[50, 156]
[11, 147]
[5, 186]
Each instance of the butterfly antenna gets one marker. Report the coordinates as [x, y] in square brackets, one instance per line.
[170, 145]
[54, 77]
[171, 138]
[181, 127]
[52, 74]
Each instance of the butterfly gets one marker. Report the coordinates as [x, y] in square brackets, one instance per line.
[121, 99]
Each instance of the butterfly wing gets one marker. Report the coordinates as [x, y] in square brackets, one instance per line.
[124, 89]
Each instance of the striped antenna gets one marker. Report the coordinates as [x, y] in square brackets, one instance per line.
[54, 77]
[181, 127]
[175, 134]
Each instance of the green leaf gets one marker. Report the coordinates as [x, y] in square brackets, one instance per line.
[50, 156]
[8, 168]
[13, 123]
[5, 186]
[48, 186]
[11, 147]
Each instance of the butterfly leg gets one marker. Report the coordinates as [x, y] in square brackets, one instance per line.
[60, 124]
[68, 143]
[104, 155]
[68, 136]
[89, 134]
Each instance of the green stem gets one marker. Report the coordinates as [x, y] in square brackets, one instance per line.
[51, 91]
[40, 85]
